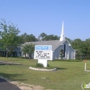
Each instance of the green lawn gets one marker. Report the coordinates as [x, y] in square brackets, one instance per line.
[69, 76]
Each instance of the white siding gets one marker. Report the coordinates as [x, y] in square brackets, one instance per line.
[69, 52]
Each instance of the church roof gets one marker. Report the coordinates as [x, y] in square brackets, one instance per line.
[55, 43]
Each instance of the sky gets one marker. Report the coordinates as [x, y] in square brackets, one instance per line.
[37, 16]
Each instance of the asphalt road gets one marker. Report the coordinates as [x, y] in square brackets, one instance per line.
[5, 85]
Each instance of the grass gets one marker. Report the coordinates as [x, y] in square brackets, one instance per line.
[69, 76]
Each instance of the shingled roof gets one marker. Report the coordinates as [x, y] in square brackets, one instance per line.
[55, 43]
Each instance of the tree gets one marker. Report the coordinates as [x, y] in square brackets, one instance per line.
[51, 37]
[61, 53]
[28, 49]
[86, 48]
[30, 38]
[22, 38]
[42, 36]
[9, 35]
[77, 43]
[82, 48]
[26, 38]
[79, 54]
[70, 41]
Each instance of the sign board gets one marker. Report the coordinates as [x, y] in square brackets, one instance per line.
[43, 52]
[43, 47]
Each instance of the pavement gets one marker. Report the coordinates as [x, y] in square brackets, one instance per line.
[5, 85]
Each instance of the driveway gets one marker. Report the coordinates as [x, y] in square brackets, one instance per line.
[5, 85]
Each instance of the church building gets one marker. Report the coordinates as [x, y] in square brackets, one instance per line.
[61, 48]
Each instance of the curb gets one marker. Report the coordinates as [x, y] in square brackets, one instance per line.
[39, 69]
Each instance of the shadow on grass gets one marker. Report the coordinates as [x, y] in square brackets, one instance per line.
[75, 60]
[12, 77]
[8, 63]
[58, 68]
[68, 60]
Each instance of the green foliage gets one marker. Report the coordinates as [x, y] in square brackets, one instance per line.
[51, 37]
[26, 38]
[39, 65]
[61, 53]
[70, 41]
[44, 36]
[9, 35]
[28, 49]
[82, 48]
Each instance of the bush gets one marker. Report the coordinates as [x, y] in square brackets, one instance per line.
[39, 65]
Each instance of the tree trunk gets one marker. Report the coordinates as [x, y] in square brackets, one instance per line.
[6, 54]
[25, 55]
[29, 56]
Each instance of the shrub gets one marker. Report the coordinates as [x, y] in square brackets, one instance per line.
[39, 65]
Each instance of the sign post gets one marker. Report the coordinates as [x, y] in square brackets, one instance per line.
[43, 61]
[43, 53]
[85, 65]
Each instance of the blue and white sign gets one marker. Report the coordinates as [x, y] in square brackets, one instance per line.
[43, 52]
[43, 47]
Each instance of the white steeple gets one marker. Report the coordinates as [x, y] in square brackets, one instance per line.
[62, 37]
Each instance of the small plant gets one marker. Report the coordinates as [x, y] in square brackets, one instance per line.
[39, 65]
[61, 53]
